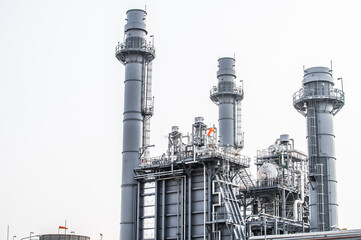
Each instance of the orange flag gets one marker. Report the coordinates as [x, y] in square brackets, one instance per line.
[210, 131]
[61, 227]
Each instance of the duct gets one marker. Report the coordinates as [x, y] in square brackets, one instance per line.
[302, 190]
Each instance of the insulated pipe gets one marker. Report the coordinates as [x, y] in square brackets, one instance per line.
[133, 54]
[302, 190]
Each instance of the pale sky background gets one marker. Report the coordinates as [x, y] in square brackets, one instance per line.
[61, 95]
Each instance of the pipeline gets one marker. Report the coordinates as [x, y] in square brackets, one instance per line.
[302, 190]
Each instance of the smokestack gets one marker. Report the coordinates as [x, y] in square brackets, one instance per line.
[228, 98]
[135, 54]
[318, 101]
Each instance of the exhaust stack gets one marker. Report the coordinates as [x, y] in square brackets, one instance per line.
[318, 101]
[136, 55]
[228, 97]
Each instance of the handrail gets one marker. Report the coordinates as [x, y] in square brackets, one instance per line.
[235, 90]
[216, 153]
[303, 94]
[132, 45]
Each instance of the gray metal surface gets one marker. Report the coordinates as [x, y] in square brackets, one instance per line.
[191, 192]
[63, 237]
[277, 203]
[134, 53]
[343, 234]
[319, 102]
[201, 188]
[227, 96]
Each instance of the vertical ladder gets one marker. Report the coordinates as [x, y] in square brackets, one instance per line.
[239, 134]
[312, 134]
[316, 168]
[147, 107]
[320, 197]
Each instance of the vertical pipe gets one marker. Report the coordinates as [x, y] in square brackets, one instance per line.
[209, 200]
[138, 212]
[249, 230]
[283, 203]
[275, 227]
[156, 210]
[184, 207]
[204, 202]
[244, 206]
[178, 216]
[190, 207]
[163, 209]
[181, 207]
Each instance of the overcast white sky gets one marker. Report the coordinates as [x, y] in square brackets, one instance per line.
[61, 95]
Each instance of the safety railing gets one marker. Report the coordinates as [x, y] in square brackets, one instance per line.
[215, 91]
[134, 45]
[226, 154]
[321, 93]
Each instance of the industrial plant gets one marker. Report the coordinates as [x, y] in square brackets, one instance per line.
[202, 186]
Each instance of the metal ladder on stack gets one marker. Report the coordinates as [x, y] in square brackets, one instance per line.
[239, 136]
[316, 169]
[232, 206]
[147, 107]
[320, 197]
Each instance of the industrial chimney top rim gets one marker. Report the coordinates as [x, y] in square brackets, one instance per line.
[318, 69]
[136, 9]
[227, 58]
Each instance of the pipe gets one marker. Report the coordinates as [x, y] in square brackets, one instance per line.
[299, 201]
[138, 209]
[156, 195]
[163, 209]
[190, 207]
[184, 206]
[178, 216]
[204, 202]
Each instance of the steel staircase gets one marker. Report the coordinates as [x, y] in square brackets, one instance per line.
[246, 179]
[232, 206]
